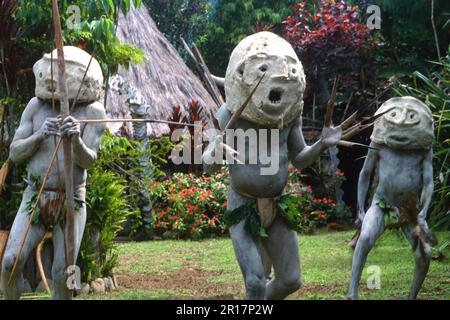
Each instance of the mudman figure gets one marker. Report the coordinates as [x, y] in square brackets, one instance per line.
[402, 140]
[34, 143]
[268, 63]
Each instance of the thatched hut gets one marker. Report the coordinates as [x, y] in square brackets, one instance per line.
[164, 80]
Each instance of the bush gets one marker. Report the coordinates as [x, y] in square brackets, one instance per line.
[189, 206]
[315, 212]
[116, 195]
[334, 35]
[107, 211]
[331, 40]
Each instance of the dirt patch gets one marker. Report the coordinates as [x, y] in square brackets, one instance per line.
[189, 282]
[309, 288]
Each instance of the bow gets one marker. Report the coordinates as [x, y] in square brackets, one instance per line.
[69, 229]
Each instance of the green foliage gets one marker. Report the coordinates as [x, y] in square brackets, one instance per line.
[115, 197]
[391, 216]
[434, 89]
[187, 206]
[107, 211]
[249, 213]
[124, 157]
[231, 21]
[407, 34]
[179, 18]
[314, 211]
[97, 29]
[190, 206]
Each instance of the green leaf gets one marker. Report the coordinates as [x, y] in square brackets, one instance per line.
[108, 6]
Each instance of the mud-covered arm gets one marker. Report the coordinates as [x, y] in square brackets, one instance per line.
[26, 142]
[364, 179]
[428, 186]
[212, 158]
[218, 80]
[85, 145]
[303, 155]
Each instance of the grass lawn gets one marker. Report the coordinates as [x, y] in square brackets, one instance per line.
[208, 269]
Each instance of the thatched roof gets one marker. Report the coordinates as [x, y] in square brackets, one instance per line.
[164, 80]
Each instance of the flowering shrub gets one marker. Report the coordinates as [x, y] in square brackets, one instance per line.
[314, 212]
[189, 206]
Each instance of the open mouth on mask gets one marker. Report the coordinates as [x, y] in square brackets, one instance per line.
[398, 139]
[275, 96]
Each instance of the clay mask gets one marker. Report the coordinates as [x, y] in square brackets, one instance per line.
[407, 124]
[76, 61]
[279, 98]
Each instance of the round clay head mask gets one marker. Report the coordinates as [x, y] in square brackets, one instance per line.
[407, 124]
[76, 62]
[279, 98]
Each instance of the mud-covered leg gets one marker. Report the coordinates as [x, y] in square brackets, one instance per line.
[267, 263]
[247, 252]
[14, 289]
[61, 290]
[282, 247]
[371, 229]
[422, 257]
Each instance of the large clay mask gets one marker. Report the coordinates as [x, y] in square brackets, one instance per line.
[279, 98]
[407, 124]
[76, 61]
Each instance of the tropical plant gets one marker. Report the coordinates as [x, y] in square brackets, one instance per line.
[178, 19]
[107, 211]
[315, 211]
[408, 39]
[189, 206]
[96, 29]
[331, 40]
[195, 114]
[117, 185]
[231, 21]
[434, 90]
